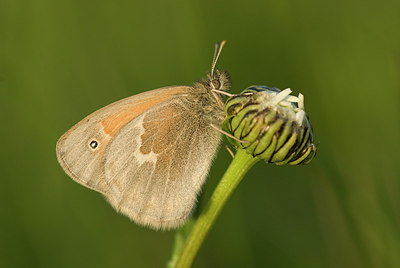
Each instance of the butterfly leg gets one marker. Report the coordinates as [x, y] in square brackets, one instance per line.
[228, 134]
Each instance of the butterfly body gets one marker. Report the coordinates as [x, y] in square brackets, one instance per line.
[149, 154]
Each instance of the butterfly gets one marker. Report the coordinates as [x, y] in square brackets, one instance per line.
[149, 154]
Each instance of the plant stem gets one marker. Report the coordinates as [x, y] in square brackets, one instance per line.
[241, 163]
[179, 241]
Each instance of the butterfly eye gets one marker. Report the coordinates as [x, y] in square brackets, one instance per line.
[93, 144]
[216, 83]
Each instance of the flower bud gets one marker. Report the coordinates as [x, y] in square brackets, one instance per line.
[271, 125]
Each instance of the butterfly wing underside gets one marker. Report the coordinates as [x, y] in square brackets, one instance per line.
[152, 157]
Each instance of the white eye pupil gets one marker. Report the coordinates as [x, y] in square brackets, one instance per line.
[93, 144]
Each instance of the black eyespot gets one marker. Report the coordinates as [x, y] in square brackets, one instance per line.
[93, 144]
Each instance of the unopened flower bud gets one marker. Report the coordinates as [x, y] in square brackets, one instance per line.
[271, 124]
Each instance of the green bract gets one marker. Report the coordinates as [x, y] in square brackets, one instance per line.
[271, 124]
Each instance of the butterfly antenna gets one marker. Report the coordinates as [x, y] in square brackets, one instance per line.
[217, 52]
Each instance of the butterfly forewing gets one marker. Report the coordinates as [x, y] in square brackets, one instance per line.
[83, 163]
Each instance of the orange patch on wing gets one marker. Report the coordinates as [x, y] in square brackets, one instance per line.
[162, 128]
[115, 122]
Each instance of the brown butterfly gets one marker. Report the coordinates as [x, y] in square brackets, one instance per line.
[150, 153]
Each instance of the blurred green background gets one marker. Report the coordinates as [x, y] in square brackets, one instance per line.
[61, 60]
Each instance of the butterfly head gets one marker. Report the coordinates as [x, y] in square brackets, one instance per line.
[218, 80]
[215, 81]
[206, 93]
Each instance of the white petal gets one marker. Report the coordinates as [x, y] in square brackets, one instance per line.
[301, 101]
[281, 96]
[300, 117]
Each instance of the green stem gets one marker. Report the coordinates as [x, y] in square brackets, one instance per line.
[179, 241]
[241, 163]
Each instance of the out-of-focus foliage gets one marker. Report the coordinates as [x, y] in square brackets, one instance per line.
[61, 60]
